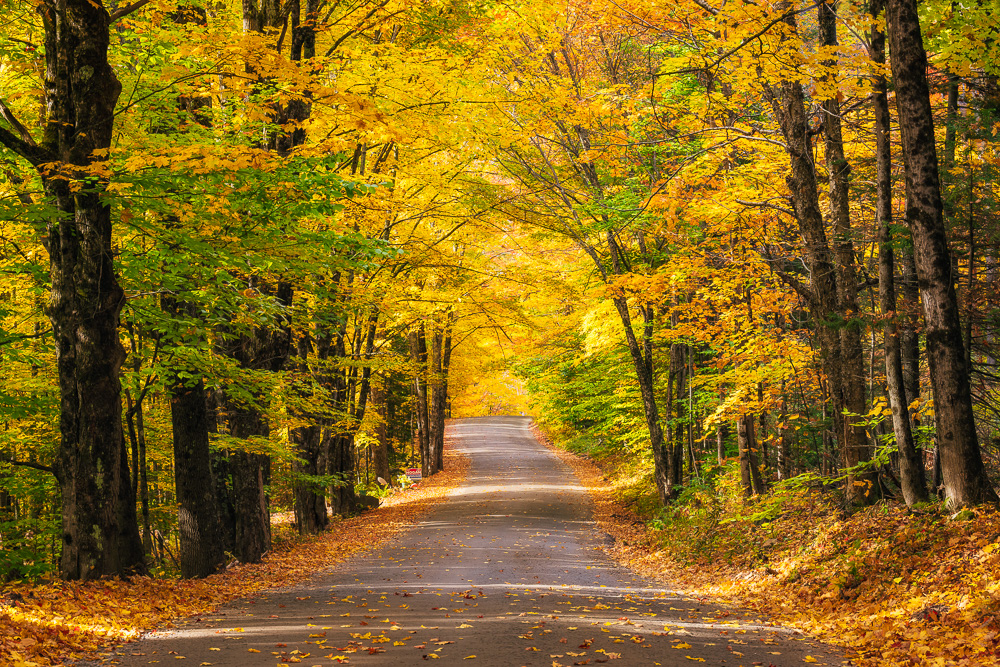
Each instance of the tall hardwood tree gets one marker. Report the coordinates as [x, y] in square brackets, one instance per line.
[911, 468]
[100, 534]
[965, 481]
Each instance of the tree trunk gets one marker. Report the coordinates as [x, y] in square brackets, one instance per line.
[642, 361]
[381, 448]
[753, 483]
[720, 442]
[341, 464]
[911, 467]
[854, 439]
[250, 474]
[677, 407]
[100, 534]
[962, 468]
[437, 398]
[310, 495]
[201, 550]
[830, 294]
[418, 357]
[221, 474]
[784, 447]
[267, 349]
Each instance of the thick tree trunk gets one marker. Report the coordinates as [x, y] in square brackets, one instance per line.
[250, 476]
[264, 348]
[221, 475]
[100, 534]
[911, 467]
[855, 448]
[201, 551]
[342, 498]
[965, 480]
[310, 495]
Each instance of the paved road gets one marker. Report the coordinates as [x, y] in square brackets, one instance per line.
[508, 571]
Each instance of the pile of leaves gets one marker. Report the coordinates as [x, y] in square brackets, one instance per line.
[894, 586]
[57, 622]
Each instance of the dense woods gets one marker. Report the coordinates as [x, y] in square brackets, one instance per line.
[255, 254]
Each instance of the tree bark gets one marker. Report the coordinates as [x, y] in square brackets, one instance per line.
[100, 534]
[642, 361]
[380, 457]
[201, 550]
[342, 498]
[418, 357]
[309, 494]
[830, 297]
[263, 348]
[437, 395]
[855, 448]
[962, 468]
[911, 467]
[753, 483]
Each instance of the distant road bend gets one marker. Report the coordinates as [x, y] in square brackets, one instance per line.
[507, 571]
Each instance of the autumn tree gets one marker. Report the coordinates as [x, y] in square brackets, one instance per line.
[100, 533]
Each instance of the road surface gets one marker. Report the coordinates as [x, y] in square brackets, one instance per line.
[508, 571]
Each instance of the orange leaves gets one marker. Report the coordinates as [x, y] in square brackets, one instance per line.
[45, 624]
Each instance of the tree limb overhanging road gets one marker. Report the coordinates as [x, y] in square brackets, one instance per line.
[509, 570]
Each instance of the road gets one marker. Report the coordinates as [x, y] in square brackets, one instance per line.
[509, 570]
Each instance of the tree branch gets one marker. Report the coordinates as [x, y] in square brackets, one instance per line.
[796, 285]
[122, 12]
[33, 154]
[29, 464]
[9, 116]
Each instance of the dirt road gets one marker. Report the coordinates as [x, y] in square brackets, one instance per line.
[508, 571]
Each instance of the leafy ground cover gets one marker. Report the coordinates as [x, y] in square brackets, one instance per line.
[51, 623]
[894, 587]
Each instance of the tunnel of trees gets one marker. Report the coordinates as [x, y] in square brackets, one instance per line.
[253, 255]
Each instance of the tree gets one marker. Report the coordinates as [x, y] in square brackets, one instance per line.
[100, 531]
[965, 480]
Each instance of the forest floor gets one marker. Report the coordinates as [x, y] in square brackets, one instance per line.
[58, 622]
[894, 587]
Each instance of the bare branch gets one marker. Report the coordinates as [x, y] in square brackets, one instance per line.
[766, 204]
